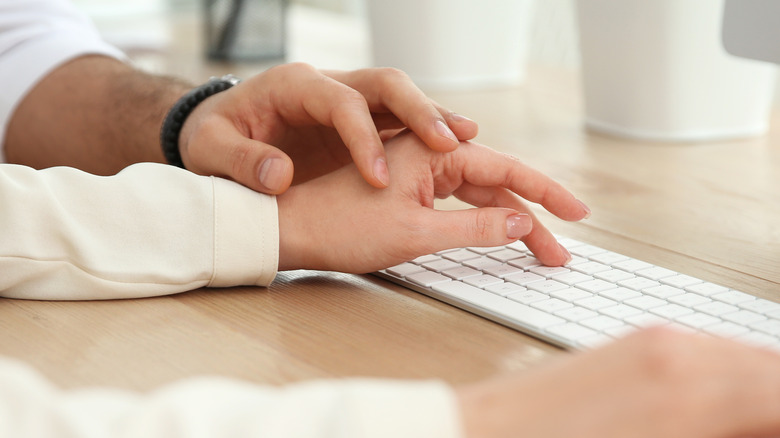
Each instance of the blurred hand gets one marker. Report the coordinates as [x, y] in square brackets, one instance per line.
[657, 383]
[320, 120]
[338, 222]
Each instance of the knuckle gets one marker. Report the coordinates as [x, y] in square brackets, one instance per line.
[480, 229]
[239, 159]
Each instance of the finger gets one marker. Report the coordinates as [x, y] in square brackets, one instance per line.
[539, 240]
[388, 89]
[483, 166]
[230, 154]
[333, 104]
[472, 227]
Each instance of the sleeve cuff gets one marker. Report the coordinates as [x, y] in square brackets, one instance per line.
[246, 236]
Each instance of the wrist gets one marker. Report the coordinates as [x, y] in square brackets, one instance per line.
[172, 126]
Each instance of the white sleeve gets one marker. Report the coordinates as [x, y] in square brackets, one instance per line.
[152, 229]
[217, 407]
[35, 37]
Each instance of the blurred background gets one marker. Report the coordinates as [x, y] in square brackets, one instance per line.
[646, 70]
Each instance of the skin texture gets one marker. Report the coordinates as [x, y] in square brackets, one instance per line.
[652, 384]
[335, 208]
[101, 115]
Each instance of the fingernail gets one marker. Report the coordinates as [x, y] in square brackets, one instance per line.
[380, 171]
[518, 225]
[565, 253]
[272, 174]
[459, 118]
[445, 131]
[585, 207]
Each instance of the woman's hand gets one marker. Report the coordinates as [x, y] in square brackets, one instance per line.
[320, 120]
[338, 222]
[657, 383]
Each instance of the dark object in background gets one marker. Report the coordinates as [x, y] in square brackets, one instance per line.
[245, 30]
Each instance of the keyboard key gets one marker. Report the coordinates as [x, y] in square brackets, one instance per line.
[645, 302]
[706, 289]
[525, 262]
[620, 311]
[716, 308]
[655, 273]
[482, 281]
[523, 278]
[632, 265]
[425, 259]
[595, 302]
[546, 286]
[663, 291]
[744, 317]
[646, 320]
[680, 280]
[733, 297]
[769, 326]
[502, 271]
[671, 311]
[551, 305]
[484, 250]
[638, 283]
[505, 288]
[698, 320]
[590, 268]
[576, 313]
[427, 278]
[405, 269]
[688, 299]
[726, 329]
[514, 312]
[586, 250]
[461, 272]
[613, 275]
[528, 297]
[608, 258]
[571, 278]
[601, 322]
[620, 293]
[505, 255]
[570, 294]
[761, 306]
[460, 255]
[482, 263]
[441, 265]
[595, 286]
[548, 271]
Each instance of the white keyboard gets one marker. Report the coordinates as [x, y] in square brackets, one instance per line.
[597, 297]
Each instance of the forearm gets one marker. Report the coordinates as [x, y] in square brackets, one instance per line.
[150, 230]
[95, 113]
[216, 407]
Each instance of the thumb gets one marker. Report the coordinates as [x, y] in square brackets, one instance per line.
[255, 164]
[487, 226]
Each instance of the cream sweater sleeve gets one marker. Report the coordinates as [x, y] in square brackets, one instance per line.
[215, 407]
[150, 230]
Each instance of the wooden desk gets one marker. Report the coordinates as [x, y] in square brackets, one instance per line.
[710, 210]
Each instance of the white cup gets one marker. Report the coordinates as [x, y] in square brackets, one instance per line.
[452, 44]
[657, 70]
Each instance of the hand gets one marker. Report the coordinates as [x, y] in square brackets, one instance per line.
[338, 222]
[253, 132]
[657, 383]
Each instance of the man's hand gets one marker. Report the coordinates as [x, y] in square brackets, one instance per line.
[338, 222]
[255, 131]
